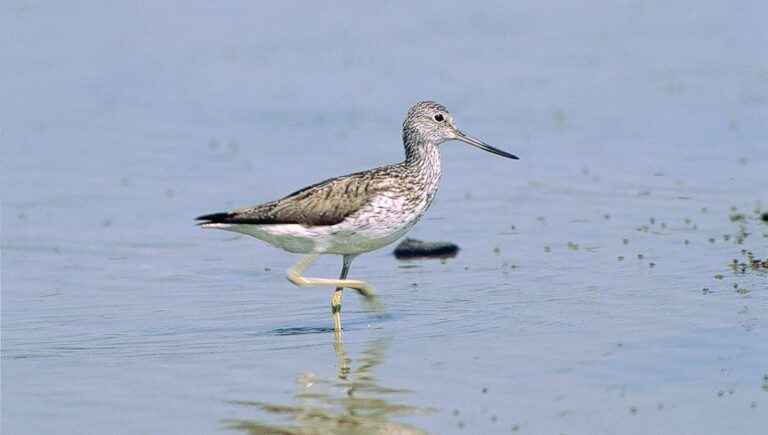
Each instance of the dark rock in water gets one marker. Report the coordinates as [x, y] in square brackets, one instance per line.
[764, 217]
[412, 248]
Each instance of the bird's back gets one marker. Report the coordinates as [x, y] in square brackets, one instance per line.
[325, 203]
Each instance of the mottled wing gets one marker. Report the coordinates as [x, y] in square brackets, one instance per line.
[326, 203]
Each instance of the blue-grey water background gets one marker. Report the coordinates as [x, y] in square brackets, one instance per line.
[592, 293]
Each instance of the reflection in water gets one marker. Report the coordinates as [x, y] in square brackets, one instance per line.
[353, 403]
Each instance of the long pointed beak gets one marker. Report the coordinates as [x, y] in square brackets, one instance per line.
[460, 135]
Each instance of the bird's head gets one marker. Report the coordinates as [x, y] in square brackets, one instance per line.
[431, 122]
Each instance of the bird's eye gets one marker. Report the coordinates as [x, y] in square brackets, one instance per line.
[439, 117]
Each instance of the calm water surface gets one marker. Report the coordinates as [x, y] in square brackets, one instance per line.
[593, 293]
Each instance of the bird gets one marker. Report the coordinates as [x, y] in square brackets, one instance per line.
[356, 213]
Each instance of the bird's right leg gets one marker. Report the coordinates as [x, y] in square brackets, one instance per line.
[295, 276]
[336, 299]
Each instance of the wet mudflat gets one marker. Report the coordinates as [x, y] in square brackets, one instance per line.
[595, 290]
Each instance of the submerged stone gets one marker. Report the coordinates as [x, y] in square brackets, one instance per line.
[414, 248]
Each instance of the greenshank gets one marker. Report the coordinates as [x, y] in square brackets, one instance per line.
[355, 213]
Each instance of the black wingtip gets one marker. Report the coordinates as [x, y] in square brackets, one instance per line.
[213, 218]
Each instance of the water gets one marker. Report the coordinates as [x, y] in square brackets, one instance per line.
[642, 121]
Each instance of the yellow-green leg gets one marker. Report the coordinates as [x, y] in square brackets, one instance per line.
[336, 309]
[336, 299]
[295, 276]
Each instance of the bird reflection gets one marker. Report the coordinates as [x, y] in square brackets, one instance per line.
[352, 403]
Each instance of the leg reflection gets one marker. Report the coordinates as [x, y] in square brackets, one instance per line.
[355, 401]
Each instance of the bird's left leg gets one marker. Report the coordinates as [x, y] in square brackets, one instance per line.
[295, 276]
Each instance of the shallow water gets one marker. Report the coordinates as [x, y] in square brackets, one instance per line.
[593, 293]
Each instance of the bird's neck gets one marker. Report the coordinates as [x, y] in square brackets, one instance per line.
[421, 153]
[422, 158]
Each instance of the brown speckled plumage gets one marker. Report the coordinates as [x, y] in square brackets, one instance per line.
[330, 201]
[326, 203]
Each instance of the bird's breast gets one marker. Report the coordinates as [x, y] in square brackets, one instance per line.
[387, 217]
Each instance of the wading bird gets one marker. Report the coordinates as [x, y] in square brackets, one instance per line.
[355, 213]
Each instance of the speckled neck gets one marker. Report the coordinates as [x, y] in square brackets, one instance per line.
[419, 150]
[422, 159]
